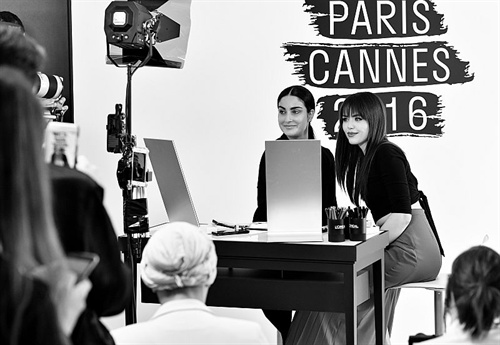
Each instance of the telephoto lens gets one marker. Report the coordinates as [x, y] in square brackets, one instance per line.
[48, 86]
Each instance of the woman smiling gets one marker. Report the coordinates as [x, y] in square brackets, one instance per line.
[372, 169]
[296, 107]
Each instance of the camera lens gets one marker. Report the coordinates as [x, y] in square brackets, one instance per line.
[49, 86]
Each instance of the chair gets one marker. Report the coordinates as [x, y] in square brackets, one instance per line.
[438, 286]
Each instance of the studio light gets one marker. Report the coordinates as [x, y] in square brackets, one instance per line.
[124, 24]
[129, 25]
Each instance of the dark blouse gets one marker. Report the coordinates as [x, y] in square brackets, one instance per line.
[391, 186]
[327, 184]
[84, 225]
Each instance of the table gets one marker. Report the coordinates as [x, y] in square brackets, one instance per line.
[254, 273]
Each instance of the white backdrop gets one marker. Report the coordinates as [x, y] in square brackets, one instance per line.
[221, 107]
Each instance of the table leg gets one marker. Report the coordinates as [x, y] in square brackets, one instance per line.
[351, 315]
[379, 299]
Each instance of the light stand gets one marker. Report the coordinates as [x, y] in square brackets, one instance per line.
[130, 26]
[135, 220]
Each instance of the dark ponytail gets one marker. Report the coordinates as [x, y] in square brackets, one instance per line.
[474, 290]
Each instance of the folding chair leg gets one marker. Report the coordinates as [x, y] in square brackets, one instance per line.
[438, 313]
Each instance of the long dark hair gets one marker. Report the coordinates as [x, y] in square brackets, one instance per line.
[351, 165]
[473, 289]
[28, 237]
[305, 96]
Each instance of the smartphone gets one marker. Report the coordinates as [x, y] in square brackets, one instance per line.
[82, 263]
[61, 143]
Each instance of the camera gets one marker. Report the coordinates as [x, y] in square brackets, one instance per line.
[49, 88]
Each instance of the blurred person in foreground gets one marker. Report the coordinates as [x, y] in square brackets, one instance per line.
[19, 57]
[472, 303]
[40, 301]
[80, 217]
[179, 264]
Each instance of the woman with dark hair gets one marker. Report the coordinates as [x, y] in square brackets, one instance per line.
[80, 217]
[372, 169]
[296, 108]
[39, 300]
[472, 301]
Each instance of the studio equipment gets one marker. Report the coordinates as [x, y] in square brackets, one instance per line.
[134, 30]
[49, 88]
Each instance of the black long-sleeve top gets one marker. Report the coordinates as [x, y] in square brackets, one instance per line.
[327, 184]
[84, 225]
[391, 186]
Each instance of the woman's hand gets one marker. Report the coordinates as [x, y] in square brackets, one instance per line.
[68, 295]
[70, 299]
[394, 223]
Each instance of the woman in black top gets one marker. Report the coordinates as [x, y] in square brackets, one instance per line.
[84, 226]
[372, 169]
[296, 107]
